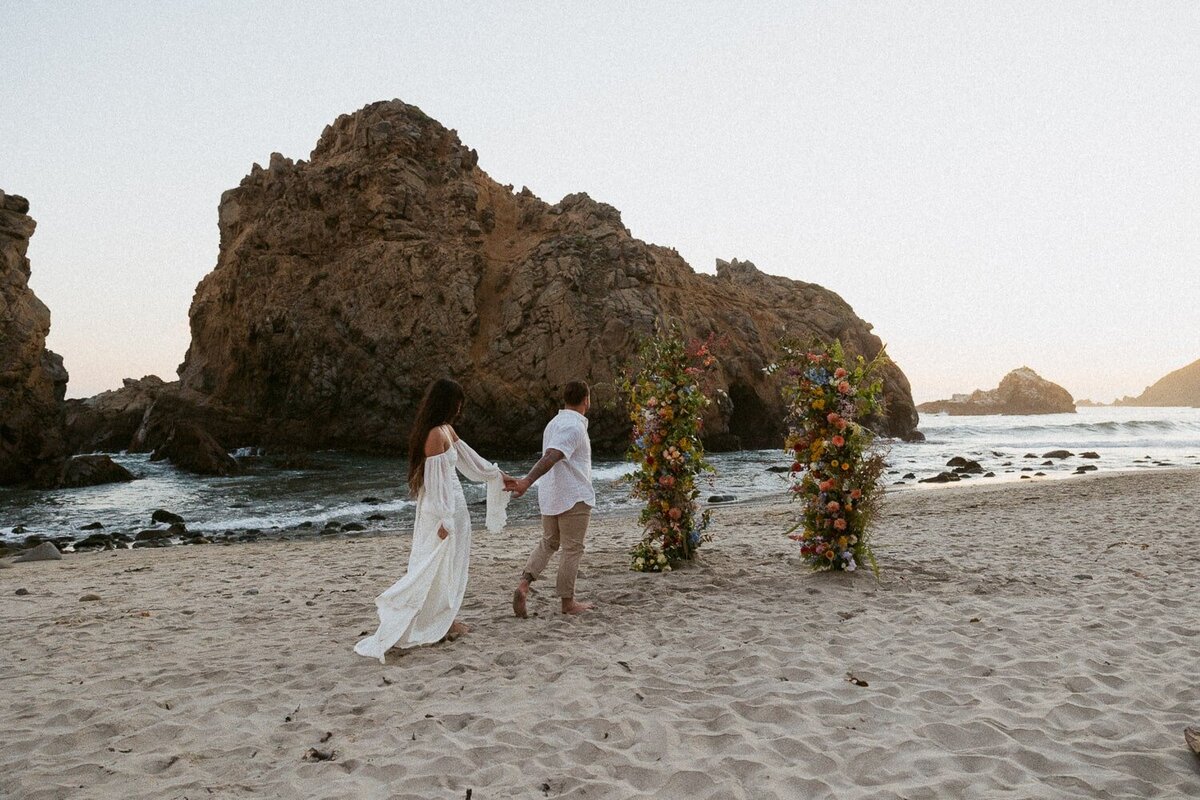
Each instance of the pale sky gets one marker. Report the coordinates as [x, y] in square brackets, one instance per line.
[990, 184]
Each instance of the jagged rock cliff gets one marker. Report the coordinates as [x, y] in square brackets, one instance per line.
[1178, 388]
[346, 282]
[32, 379]
[1021, 391]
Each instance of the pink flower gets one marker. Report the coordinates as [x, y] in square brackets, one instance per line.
[832, 418]
[844, 387]
[674, 513]
[855, 493]
[839, 373]
[840, 524]
[833, 507]
[838, 441]
[826, 486]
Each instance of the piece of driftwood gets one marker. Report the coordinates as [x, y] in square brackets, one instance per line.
[1192, 737]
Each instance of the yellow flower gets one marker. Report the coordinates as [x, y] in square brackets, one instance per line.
[819, 404]
[845, 466]
[842, 542]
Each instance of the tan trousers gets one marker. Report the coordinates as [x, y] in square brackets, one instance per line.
[567, 529]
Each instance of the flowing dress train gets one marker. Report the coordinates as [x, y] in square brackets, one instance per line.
[420, 607]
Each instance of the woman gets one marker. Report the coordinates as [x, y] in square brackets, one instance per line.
[420, 608]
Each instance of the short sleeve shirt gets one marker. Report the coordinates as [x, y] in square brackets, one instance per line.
[570, 480]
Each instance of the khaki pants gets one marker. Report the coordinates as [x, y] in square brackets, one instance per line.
[567, 529]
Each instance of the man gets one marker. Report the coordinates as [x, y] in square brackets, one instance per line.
[565, 497]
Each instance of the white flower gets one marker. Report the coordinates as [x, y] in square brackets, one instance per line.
[850, 566]
[667, 568]
[639, 562]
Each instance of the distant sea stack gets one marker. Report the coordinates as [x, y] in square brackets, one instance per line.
[1179, 388]
[345, 283]
[1022, 391]
[33, 381]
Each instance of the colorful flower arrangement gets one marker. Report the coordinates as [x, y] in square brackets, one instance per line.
[666, 402]
[837, 473]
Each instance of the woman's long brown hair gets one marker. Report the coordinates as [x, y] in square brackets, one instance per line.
[441, 405]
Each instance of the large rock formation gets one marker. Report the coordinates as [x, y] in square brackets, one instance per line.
[1178, 388]
[32, 379]
[345, 283]
[1021, 391]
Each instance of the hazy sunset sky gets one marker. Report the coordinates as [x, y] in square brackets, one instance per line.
[991, 185]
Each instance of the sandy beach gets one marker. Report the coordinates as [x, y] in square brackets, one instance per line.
[1031, 640]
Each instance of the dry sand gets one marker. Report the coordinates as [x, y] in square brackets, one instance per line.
[1034, 640]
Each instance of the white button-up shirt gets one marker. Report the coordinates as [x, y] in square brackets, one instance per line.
[570, 480]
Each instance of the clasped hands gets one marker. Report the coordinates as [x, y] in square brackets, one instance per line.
[517, 486]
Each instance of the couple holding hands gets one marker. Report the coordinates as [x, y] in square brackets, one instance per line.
[421, 607]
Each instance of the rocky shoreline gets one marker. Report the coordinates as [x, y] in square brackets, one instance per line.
[163, 528]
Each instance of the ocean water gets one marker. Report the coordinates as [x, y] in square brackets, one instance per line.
[351, 488]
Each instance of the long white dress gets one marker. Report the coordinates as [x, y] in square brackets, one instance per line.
[420, 607]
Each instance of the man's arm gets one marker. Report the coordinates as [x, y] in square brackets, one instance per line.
[521, 485]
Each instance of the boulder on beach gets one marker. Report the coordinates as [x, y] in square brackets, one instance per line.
[1022, 391]
[46, 551]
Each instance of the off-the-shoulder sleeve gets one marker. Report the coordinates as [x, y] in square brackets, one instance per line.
[439, 490]
[475, 467]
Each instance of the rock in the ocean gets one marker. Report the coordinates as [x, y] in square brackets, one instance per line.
[348, 281]
[942, 477]
[722, 498]
[1022, 391]
[33, 381]
[92, 470]
[1060, 454]
[191, 449]
[162, 515]
[45, 551]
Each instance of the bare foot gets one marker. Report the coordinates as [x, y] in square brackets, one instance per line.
[519, 601]
[572, 607]
[457, 629]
